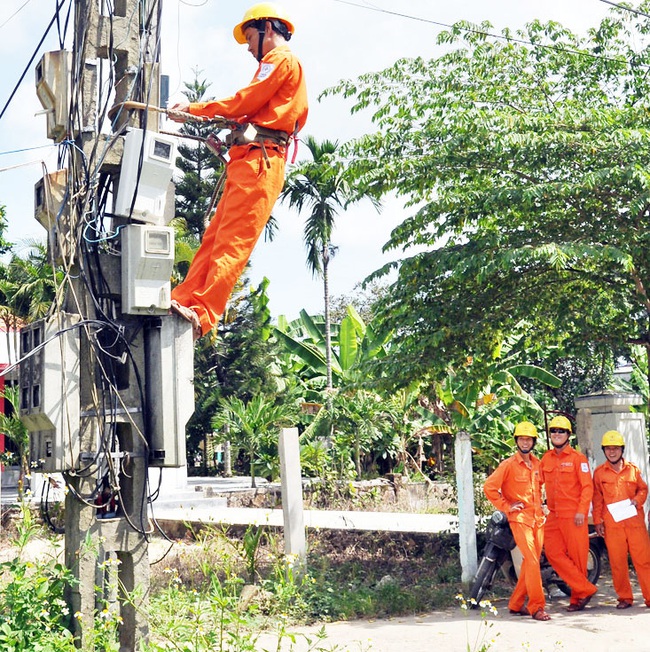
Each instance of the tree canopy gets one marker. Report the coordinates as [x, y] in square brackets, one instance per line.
[200, 168]
[524, 158]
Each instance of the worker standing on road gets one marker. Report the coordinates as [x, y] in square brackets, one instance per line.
[271, 109]
[619, 495]
[515, 488]
[569, 490]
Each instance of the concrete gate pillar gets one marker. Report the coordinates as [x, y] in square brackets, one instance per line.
[598, 413]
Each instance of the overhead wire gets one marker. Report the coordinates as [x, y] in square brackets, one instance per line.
[626, 8]
[8, 20]
[112, 400]
[509, 38]
[31, 60]
[61, 33]
[26, 149]
[22, 165]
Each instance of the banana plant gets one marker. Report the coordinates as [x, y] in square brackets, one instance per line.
[487, 404]
[354, 344]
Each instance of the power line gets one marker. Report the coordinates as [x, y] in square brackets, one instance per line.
[38, 47]
[624, 8]
[25, 149]
[22, 165]
[480, 32]
[16, 12]
[391, 13]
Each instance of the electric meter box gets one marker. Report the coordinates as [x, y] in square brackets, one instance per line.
[51, 211]
[49, 194]
[169, 365]
[147, 263]
[147, 166]
[53, 90]
[49, 391]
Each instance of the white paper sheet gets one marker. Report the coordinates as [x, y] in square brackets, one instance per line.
[622, 510]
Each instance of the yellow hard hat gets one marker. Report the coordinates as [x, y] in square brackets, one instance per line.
[262, 10]
[525, 429]
[612, 438]
[560, 422]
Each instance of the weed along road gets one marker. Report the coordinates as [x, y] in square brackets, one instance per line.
[599, 628]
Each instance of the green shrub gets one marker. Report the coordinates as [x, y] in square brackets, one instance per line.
[33, 614]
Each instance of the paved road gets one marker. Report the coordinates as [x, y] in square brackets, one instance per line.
[599, 628]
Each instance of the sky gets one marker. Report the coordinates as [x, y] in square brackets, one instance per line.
[335, 40]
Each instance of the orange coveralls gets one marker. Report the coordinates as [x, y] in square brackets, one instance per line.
[569, 490]
[275, 99]
[513, 482]
[628, 535]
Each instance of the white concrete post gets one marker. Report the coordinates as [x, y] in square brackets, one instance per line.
[292, 506]
[466, 516]
[227, 460]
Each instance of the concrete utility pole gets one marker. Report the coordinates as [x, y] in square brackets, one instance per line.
[106, 383]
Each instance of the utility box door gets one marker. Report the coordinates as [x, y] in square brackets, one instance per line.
[147, 264]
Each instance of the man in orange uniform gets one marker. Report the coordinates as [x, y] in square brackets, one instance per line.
[273, 108]
[515, 488]
[569, 489]
[619, 480]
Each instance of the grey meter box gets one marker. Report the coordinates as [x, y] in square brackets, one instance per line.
[147, 263]
[49, 391]
[147, 165]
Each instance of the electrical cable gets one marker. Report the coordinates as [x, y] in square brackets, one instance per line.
[45, 507]
[22, 165]
[624, 8]
[65, 27]
[83, 240]
[508, 38]
[38, 47]
[15, 13]
[88, 499]
[26, 149]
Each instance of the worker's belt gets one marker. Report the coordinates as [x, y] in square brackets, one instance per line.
[255, 134]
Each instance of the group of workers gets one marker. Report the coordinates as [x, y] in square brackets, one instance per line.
[547, 502]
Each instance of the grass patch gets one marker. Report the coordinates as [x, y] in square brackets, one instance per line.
[221, 590]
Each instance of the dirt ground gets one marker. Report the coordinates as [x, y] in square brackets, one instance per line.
[599, 628]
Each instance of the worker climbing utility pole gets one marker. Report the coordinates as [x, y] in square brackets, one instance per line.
[106, 380]
[268, 114]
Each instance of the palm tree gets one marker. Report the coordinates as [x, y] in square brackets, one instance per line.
[320, 185]
[253, 423]
[28, 286]
[31, 282]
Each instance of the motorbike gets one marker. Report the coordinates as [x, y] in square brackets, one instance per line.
[501, 553]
